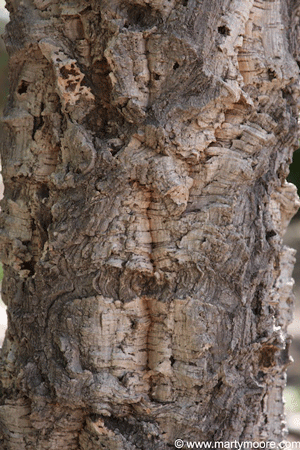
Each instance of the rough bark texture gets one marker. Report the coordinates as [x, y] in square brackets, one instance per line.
[145, 150]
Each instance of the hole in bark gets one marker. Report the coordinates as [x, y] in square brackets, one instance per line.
[43, 192]
[28, 265]
[257, 300]
[38, 122]
[176, 66]
[271, 74]
[23, 87]
[115, 147]
[219, 385]
[172, 360]
[143, 16]
[114, 151]
[71, 86]
[65, 73]
[127, 429]
[134, 323]
[156, 76]
[225, 31]
[95, 417]
[286, 94]
[270, 234]
[260, 375]
[185, 2]
[122, 377]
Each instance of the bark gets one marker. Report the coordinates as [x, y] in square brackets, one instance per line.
[145, 149]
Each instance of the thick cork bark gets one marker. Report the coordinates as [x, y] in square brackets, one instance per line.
[145, 150]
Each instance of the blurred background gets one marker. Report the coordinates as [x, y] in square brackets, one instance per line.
[292, 239]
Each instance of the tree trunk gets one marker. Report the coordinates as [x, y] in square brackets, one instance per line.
[145, 151]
